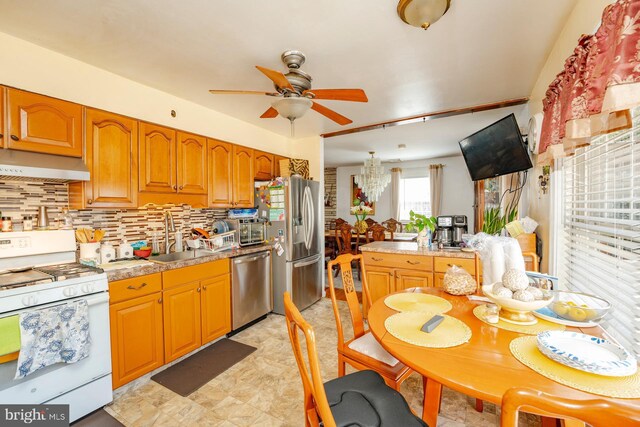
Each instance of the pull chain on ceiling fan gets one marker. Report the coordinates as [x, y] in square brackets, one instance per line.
[297, 97]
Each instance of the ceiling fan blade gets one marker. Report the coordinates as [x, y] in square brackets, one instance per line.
[242, 92]
[330, 114]
[355, 95]
[277, 77]
[269, 114]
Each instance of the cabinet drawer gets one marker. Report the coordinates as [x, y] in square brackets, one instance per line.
[121, 290]
[442, 264]
[194, 273]
[413, 262]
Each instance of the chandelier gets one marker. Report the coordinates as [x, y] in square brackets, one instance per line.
[372, 179]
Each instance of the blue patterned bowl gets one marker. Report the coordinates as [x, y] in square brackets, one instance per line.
[587, 353]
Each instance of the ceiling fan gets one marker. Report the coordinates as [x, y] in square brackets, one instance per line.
[297, 97]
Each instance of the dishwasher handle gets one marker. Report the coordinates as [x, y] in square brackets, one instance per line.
[254, 258]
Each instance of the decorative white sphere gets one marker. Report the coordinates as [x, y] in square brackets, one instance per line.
[503, 293]
[515, 280]
[523, 295]
[536, 292]
[496, 287]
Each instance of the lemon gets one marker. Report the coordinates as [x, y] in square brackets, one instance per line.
[578, 314]
[560, 308]
[571, 303]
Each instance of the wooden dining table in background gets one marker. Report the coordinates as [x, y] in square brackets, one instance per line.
[483, 368]
[404, 237]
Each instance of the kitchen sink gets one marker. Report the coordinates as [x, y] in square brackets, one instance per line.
[179, 256]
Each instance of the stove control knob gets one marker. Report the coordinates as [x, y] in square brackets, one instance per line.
[87, 288]
[69, 292]
[28, 300]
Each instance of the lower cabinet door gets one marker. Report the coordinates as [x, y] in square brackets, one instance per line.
[406, 279]
[216, 307]
[438, 279]
[182, 332]
[136, 337]
[380, 283]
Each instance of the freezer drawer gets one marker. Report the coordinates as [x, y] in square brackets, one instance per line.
[306, 281]
[251, 295]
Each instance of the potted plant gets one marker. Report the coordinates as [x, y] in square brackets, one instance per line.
[420, 223]
[360, 211]
[494, 221]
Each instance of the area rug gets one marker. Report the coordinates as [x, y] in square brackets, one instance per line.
[99, 418]
[195, 371]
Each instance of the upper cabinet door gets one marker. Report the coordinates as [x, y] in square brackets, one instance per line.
[44, 125]
[157, 154]
[2, 123]
[263, 165]
[112, 158]
[220, 173]
[276, 166]
[192, 164]
[243, 177]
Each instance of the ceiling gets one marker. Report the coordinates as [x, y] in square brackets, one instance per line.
[479, 52]
[423, 140]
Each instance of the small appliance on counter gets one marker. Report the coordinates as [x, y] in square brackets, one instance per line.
[444, 230]
[459, 228]
[251, 229]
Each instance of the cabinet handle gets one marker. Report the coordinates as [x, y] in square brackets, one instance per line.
[90, 201]
[15, 138]
[159, 300]
[134, 288]
[175, 187]
[377, 259]
[413, 262]
[180, 188]
[451, 265]
[198, 289]
[204, 288]
[1, 135]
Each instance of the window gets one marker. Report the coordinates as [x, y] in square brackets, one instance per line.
[600, 254]
[414, 196]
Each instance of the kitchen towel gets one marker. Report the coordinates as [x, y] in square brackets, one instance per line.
[53, 335]
[10, 333]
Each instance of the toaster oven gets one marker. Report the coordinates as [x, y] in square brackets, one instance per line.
[251, 231]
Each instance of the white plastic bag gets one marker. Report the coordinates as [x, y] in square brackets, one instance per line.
[457, 281]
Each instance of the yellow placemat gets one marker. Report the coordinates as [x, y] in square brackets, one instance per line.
[406, 327]
[525, 349]
[417, 302]
[541, 326]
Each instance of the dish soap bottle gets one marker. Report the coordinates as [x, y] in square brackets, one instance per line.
[155, 242]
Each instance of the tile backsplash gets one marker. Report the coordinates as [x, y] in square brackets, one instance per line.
[19, 199]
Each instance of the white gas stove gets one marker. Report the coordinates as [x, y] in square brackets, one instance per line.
[38, 270]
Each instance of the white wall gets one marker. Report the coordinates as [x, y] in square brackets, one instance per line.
[34, 68]
[458, 194]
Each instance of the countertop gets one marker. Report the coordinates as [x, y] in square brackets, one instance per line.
[153, 267]
[411, 248]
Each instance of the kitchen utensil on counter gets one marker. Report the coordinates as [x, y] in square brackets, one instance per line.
[142, 253]
[43, 219]
[89, 235]
[199, 232]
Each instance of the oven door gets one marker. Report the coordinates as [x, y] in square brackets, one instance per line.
[257, 232]
[55, 380]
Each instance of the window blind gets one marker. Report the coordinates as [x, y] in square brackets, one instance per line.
[601, 228]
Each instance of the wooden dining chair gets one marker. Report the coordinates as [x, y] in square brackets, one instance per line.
[344, 239]
[363, 351]
[595, 412]
[361, 398]
[339, 222]
[377, 232]
[393, 225]
[370, 222]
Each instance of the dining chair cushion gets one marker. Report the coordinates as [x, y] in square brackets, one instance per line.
[369, 346]
[363, 399]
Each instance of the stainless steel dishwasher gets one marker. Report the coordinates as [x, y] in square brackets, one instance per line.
[251, 295]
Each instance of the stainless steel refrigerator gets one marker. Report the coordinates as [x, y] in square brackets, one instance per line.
[293, 212]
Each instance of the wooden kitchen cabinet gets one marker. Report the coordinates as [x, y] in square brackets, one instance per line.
[192, 164]
[276, 164]
[3, 131]
[380, 282]
[157, 159]
[216, 307]
[136, 327]
[264, 165]
[242, 177]
[42, 124]
[405, 279]
[181, 310]
[220, 159]
[111, 154]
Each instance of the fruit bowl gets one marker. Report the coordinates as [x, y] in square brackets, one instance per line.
[579, 307]
[142, 253]
[515, 311]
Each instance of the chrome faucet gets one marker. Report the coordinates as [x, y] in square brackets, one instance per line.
[169, 226]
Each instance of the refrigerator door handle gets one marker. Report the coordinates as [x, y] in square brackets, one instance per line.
[306, 263]
[306, 216]
[312, 215]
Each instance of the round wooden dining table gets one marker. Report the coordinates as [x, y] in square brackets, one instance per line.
[483, 368]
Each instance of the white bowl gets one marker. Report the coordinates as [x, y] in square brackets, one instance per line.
[515, 311]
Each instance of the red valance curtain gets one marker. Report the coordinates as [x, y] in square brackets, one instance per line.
[599, 84]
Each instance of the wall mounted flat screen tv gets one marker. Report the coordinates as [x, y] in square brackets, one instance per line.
[496, 150]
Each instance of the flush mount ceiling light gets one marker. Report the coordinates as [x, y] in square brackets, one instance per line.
[372, 179]
[422, 13]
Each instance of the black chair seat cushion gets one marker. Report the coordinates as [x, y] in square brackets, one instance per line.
[362, 399]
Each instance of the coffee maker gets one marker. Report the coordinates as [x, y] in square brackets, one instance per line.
[444, 231]
[459, 228]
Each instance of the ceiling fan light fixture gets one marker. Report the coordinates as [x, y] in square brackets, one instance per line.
[422, 13]
[292, 108]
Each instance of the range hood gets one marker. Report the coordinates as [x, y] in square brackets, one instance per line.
[18, 165]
